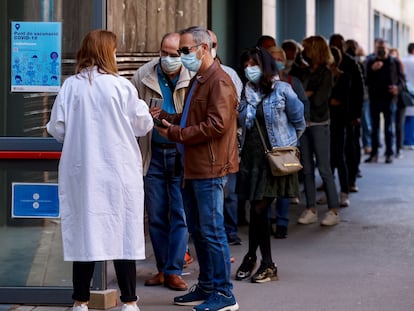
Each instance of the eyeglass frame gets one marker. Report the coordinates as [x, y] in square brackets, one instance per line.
[165, 53]
[187, 49]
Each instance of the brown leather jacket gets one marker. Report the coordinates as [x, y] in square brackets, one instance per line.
[210, 134]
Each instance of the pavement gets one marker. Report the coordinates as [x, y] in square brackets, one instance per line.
[362, 264]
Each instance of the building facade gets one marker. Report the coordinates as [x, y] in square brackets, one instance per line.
[31, 265]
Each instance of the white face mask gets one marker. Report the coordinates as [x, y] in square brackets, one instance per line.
[170, 64]
[213, 53]
[253, 73]
[191, 62]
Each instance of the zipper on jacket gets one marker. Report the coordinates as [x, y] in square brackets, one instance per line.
[212, 157]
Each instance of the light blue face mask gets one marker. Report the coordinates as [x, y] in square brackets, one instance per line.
[190, 61]
[253, 73]
[280, 65]
[170, 64]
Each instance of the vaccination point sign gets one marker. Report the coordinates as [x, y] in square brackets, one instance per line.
[35, 56]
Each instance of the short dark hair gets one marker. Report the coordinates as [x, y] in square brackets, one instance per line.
[263, 39]
[411, 48]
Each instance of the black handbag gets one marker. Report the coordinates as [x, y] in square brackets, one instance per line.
[407, 95]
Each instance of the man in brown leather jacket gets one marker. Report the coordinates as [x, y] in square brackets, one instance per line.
[206, 132]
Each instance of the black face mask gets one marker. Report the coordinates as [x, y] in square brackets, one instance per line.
[381, 52]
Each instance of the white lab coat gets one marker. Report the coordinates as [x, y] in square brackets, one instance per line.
[101, 191]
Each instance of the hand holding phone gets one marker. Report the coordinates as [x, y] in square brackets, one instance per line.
[159, 123]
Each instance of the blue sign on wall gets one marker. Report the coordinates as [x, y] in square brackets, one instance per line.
[36, 56]
[31, 200]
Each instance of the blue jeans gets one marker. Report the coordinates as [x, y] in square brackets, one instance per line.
[316, 142]
[282, 211]
[203, 200]
[388, 110]
[230, 207]
[366, 124]
[165, 210]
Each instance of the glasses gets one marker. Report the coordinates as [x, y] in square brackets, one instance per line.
[165, 53]
[186, 50]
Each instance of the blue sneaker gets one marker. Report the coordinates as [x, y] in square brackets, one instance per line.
[218, 302]
[195, 296]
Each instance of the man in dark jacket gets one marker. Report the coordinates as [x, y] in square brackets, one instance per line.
[383, 86]
[355, 101]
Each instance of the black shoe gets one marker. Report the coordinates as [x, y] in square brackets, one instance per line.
[371, 159]
[246, 268]
[281, 232]
[265, 273]
[388, 159]
[234, 240]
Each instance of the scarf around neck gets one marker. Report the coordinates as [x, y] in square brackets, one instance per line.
[253, 97]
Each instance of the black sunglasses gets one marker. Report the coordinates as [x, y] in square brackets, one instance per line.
[186, 50]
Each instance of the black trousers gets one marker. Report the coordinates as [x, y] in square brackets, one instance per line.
[259, 230]
[125, 273]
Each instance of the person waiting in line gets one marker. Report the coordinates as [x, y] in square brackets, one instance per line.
[271, 105]
[408, 62]
[400, 111]
[315, 142]
[206, 133]
[362, 125]
[383, 80]
[355, 101]
[162, 83]
[97, 115]
[230, 196]
[339, 116]
[282, 204]
[266, 42]
[292, 50]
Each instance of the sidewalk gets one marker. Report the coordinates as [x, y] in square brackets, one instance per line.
[362, 264]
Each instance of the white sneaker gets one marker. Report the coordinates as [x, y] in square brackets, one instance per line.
[308, 217]
[344, 199]
[81, 307]
[130, 307]
[294, 200]
[322, 200]
[331, 219]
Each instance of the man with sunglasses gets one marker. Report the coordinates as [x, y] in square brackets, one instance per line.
[206, 132]
[162, 83]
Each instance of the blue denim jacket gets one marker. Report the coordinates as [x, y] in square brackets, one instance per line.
[283, 112]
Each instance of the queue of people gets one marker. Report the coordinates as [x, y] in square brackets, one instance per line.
[182, 140]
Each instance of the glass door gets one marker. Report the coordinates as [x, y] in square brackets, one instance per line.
[32, 270]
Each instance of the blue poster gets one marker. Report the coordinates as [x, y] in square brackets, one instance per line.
[33, 200]
[36, 56]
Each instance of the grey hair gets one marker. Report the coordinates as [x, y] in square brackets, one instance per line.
[200, 35]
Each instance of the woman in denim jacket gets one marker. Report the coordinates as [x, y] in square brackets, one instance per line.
[279, 114]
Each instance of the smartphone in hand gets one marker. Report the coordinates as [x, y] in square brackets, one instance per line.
[159, 123]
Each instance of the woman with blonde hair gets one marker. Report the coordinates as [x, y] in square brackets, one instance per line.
[97, 115]
[315, 142]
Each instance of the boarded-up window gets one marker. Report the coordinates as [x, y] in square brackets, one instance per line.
[140, 24]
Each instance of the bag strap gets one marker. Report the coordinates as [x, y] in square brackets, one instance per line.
[261, 136]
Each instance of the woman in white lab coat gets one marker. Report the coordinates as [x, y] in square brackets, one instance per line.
[97, 115]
